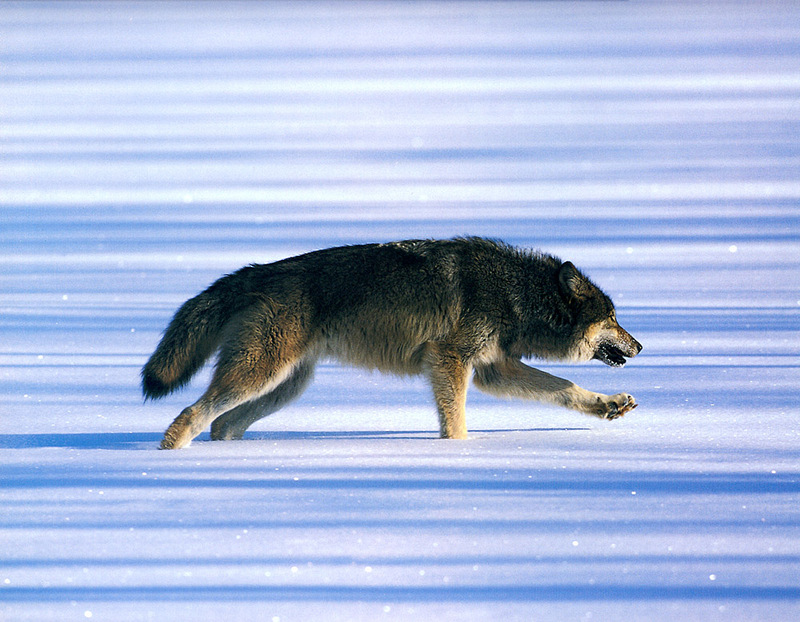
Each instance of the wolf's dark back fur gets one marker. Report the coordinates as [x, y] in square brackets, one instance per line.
[416, 290]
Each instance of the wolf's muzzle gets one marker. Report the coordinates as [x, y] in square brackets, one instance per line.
[614, 354]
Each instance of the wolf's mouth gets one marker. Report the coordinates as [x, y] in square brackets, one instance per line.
[610, 355]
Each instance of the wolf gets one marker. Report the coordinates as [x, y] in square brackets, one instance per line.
[448, 309]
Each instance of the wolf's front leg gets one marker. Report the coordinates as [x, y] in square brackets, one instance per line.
[449, 377]
[512, 378]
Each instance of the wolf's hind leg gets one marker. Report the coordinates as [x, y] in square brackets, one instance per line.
[223, 395]
[191, 422]
[233, 424]
[260, 352]
[512, 378]
[449, 377]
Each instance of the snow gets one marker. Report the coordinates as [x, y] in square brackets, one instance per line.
[147, 148]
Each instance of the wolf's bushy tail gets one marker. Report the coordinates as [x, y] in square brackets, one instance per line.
[190, 339]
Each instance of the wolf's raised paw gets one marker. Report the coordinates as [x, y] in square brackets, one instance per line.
[619, 404]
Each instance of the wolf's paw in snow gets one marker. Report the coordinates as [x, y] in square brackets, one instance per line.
[617, 405]
[179, 433]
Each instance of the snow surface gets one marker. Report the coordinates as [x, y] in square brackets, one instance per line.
[149, 148]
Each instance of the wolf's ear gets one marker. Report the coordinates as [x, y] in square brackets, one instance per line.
[573, 283]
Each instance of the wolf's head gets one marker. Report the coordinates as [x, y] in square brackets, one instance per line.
[597, 335]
